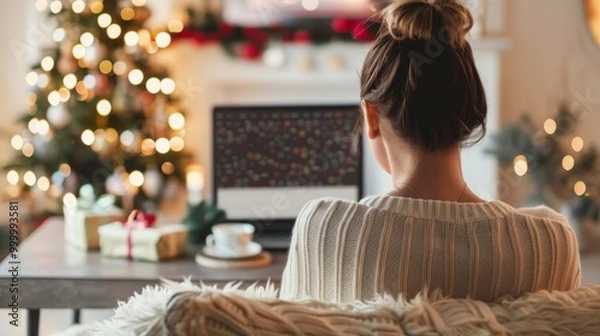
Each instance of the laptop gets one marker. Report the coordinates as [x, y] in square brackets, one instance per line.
[269, 161]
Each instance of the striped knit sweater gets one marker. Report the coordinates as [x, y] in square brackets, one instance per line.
[344, 251]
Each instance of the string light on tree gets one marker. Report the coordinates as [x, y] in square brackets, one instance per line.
[43, 127]
[56, 6]
[139, 3]
[175, 26]
[131, 38]
[88, 137]
[119, 68]
[31, 78]
[113, 31]
[47, 63]
[42, 81]
[41, 5]
[17, 142]
[136, 178]
[105, 67]
[177, 144]
[65, 170]
[69, 81]
[162, 145]
[520, 165]
[568, 162]
[167, 168]
[86, 39]
[54, 98]
[127, 14]
[136, 76]
[153, 85]
[12, 177]
[96, 7]
[580, 188]
[58, 34]
[167, 86]
[28, 150]
[127, 138]
[550, 126]
[163, 39]
[43, 183]
[577, 144]
[29, 178]
[176, 121]
[33, 125]
[78, 51]
[148, 147]
[104, 20]
[103, 107]
[78, 6]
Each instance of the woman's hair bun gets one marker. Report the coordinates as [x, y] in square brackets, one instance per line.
[423, 20]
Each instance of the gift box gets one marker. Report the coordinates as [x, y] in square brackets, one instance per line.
[139, 239]
[84, 215]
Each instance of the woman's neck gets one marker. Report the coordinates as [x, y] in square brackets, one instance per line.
[425, 175]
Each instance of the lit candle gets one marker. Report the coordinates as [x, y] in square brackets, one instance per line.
[195, 184]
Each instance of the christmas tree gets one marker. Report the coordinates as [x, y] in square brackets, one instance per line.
[101, 112]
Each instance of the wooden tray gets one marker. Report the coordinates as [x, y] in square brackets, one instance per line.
[261, 260]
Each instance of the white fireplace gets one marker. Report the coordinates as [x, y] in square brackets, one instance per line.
[207, 76]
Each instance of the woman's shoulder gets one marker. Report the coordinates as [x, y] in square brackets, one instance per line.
[542, 213]
[331, 209]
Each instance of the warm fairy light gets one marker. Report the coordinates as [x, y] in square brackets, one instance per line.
[113, 31]
[119, 68]
[162, 145]
[520, 165]
[127, 138]
[41, 5]
[56, 6]
[99, 139]
[144, 37]
[167, 86]
[148, 147]
[31, 78]
[127, 13]
[176, 121]
[96, 7]
[88, 137]
[163, 39]
[12, 177]
[175, 26]
[103, 107]
[86, 39]
[30, 98]
[167, 168]
[138, 3]
[32, 125]
[58, 35]
[43, 183]
[153, 85]
[43, 127]
[54, 98]
[47, 63]
[69, 200]
[580, 188]
[65, 94]
[42, 81]
[80, 88]
[151, 48]
[177, 144]
[69, 81]
[550, 126]
[65, 169]
[17, 142]
[136, 76]
[131, 38]
[310, 5]
[105, 67]
[89, 81]
[78, 51]
[568, 162]
[29, 178]
[577, 144]
[78, 6]
[111, 135]
[104, 20]
[28, 150]
[136, 178]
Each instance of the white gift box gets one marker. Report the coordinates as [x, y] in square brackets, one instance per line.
[81, 225]
[148, 244]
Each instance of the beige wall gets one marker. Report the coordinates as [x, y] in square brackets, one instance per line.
[552, 59]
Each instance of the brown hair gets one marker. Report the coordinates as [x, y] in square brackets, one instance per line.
[421, 74]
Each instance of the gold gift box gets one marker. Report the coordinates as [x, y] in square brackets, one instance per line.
[147, 244]
[81, 225]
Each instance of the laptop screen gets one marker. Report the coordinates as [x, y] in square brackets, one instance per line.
[270, 161]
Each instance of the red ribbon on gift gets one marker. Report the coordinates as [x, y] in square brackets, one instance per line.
[137, 220]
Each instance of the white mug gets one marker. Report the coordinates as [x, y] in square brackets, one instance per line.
[231, 237]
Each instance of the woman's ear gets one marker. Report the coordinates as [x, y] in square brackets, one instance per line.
[371, 116]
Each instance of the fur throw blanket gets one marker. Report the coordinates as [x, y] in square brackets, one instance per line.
[186, 309]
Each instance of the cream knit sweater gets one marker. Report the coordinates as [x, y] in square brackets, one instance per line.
[345, 251]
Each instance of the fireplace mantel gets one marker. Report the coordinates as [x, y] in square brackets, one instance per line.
[207, 76]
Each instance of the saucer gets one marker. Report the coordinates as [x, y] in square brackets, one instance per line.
[253, 250]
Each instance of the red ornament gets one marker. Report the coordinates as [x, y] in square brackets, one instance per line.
[341, 25]
[226, 29]
[302, 36]
[363, 33]
[250, 51]
[256, 34]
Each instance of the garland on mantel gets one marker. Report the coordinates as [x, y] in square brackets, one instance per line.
[249, 43]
